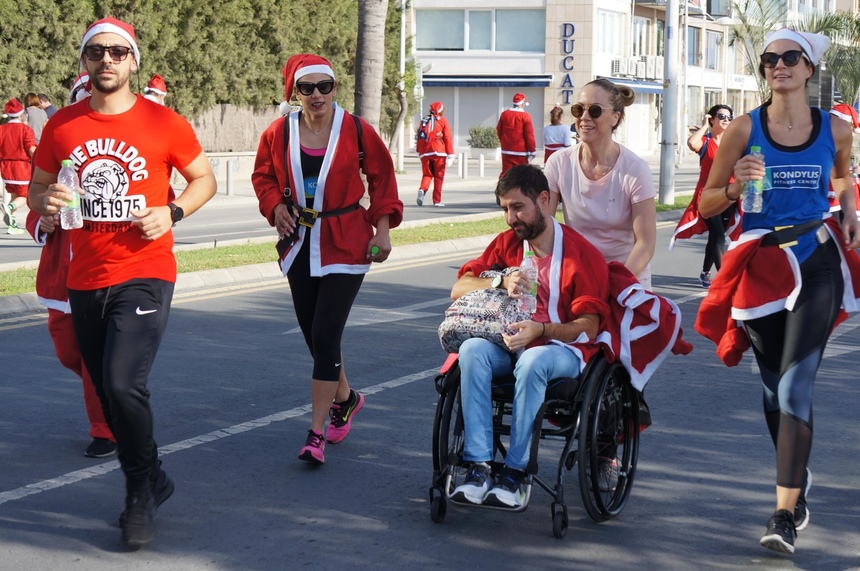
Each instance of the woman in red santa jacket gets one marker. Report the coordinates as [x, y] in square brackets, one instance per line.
[310, 190]
[793, 269]
[436, 152]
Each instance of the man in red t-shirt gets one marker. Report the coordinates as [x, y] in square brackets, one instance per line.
[122, 274]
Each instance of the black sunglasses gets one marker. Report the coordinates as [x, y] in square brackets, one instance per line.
[790, 58]
[307, 88]
[724, 117]
[117, 53]
[594, 111]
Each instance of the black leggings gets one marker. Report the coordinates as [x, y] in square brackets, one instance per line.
[119, 329]
[788, 347]
[322, 308]
[716, 246]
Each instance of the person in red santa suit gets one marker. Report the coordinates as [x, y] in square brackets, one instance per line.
[328, 239]
[848, 114]
[436, 150]
[17, 145]
[516, 134]
[54, 295]
[156, 89]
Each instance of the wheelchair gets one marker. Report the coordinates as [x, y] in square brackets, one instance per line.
[596, 417]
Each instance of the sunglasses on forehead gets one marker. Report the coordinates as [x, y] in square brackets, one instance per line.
[790, 58]
[307, 88]
[117, 53]
[594, 111]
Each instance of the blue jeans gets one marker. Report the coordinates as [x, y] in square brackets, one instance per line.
[480, 361]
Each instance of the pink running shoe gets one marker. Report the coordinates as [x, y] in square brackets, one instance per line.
[314, 450]
[341, 416]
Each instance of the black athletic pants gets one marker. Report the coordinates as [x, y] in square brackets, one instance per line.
[119, 329]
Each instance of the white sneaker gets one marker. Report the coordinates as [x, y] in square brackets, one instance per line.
[438, 204]
[421, 194]
[475, 486]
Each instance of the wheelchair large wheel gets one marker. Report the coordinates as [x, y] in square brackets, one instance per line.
[447, 444]
[608, 442]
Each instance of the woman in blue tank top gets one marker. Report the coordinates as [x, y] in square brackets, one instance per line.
[804, 151]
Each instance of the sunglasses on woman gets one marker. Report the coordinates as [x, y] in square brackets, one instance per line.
[723, 117]
[594, 111]
[96, 53]
[790, 58]
[307, 88]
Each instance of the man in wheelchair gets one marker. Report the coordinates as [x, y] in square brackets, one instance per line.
[573, 286]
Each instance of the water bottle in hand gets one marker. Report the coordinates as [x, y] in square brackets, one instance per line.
[70, 214]
[530, 270]
[753, 189]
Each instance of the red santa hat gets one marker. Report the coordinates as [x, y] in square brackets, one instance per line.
[813, 45]
[156, 85]
[13, 108]
[301, 65]
[436, 107]
[111, 25]
[846, 113]
[520, 99]
[81, 88]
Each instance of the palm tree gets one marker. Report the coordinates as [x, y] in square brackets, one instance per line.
[370, 59]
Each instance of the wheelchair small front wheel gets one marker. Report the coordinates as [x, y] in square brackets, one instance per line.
[438, 505]
[559, 520]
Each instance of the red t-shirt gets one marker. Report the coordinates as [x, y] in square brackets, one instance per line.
[123, 163]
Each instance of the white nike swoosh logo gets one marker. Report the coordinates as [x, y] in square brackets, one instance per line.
[139, 311]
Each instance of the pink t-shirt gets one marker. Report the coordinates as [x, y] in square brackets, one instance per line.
[601, 210]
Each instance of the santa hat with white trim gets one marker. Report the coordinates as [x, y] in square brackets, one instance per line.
[156, 85]
[301, 65]
[13, 108]
[520, 99]
[111, 25]
[813, 45]
[81, 88]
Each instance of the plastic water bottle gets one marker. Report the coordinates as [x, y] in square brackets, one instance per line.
[70, 214]
[529, 268]
[753, 189]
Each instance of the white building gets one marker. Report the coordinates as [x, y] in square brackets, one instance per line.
[476, 54]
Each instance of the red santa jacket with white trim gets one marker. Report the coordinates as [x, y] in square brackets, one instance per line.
[755, 281]
[439, 143]
[516, 132]
[54, 263]
[338, 243]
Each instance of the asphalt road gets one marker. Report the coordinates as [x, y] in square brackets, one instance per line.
[231, 401]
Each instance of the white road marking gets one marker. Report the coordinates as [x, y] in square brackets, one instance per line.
[100, 469]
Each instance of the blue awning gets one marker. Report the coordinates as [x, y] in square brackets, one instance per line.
[487, 80]
[638, 85]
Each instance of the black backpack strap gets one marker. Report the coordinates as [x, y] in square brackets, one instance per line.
[360, 144]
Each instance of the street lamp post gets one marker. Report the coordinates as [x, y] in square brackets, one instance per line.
[401, 137]
[669, 132]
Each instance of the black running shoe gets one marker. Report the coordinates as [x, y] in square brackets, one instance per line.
[138, 519]
[781, 533]
[509, 492]
[161, 490]
[100, 448]
[476, 485]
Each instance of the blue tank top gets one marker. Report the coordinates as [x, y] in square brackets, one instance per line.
[797, 178]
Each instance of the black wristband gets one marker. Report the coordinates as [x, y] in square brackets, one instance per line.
[543, 333]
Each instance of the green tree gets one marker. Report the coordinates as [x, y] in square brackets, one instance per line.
[370, 59]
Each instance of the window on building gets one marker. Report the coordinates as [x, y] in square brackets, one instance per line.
[713, 50]
[661, 25]
[717, 8]
[521, 30]
[441, 30]
[693, 45]
[609, 38]
[498, 30]
[480, 29]
[641, 33]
